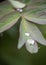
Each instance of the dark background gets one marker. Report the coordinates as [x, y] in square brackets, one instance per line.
[2, 0]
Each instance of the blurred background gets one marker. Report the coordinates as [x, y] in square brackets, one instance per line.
[10, 55]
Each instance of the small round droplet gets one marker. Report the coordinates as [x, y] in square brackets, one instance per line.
[27, 34]
[19, 10]
[30, 41]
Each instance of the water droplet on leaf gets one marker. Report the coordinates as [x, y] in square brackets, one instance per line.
[27, 34]
[30, 41]
[19, 10]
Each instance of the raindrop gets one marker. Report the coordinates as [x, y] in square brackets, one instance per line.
[30, 41]
[19, 10]
[27, 34]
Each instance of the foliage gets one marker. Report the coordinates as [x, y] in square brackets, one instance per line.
[25, 17]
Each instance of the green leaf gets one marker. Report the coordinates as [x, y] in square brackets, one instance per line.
[36, 16]
[36, 12]
[8, 21]
[5, 8]
[36, 20]
[25, 1]
[17, 4]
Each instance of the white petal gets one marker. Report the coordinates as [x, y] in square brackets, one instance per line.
[21, 38]
[35, 33]
[17, 4]
[32, 48]
[20, 42]
[23, 34]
